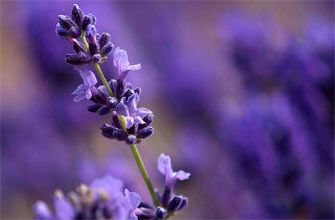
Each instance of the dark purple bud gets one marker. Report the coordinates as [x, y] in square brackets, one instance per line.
[103, 110]
[160, 213]
[138, 90]
[113, 133]
[86, 21]
[120, 86]
[104, 39]
[148, 120]
[96, 58]
[127, 93]
[98, 96]
[77, 59]
[74, 32]
[60, 31]
[183, 203]
[145, 205]
[146, 213]
[92, 18]
[91, 31]
[78, 47]
[166, 196]
[105, 50]
[65, 21]
[112, 102]
[131, 139]
[77, 15]
[145, 132]
[116, 120]
[94, 107]
[177, 203]
[132, 129]
[113, 85]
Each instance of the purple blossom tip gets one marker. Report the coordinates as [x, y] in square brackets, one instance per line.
[41, 211]
[120, 61]
[83, 91]
[165, 168]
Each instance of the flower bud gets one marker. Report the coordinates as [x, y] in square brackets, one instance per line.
[65, 21]
[160, 213]
[113, 133]
[145, 132]
[94, 107]
[116, 120]
[177, 203]
[96, 58]
[105, 50]
[104, 39]
[77, 59]
[77, 14]
[103, 110]
[131, 139]
[112, 102]
[77, 46]
[60, 31]
[74, 32]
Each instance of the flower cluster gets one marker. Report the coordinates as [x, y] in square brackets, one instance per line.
[129, 123]
[106, 198]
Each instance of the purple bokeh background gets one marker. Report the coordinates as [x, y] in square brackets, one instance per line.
[243, 96]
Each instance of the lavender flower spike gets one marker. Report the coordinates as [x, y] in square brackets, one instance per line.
[84, 90]
[120, 61]
[165, 168]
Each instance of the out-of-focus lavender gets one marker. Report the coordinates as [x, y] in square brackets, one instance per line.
[247, 102]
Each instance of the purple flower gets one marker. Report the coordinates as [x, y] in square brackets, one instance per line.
[63, 209]
[108, 185]
[120, 61]
[130, 203]
[42, 211]
[165, 168]
[84, 90]
[128, 108]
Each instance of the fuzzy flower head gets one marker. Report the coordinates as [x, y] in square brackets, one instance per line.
[83, 91]
[128, 108]
[120, 61]
[171, 177]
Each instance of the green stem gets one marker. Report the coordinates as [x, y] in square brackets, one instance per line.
[144, 174]
[98, 68]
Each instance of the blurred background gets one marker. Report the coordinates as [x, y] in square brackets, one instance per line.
[242, 91]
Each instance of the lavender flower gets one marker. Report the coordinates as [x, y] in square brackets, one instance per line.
[170, 201]
[83, 91]
[120, 61]
[171, 177]
[128, 108]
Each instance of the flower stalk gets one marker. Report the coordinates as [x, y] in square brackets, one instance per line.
[144, 173]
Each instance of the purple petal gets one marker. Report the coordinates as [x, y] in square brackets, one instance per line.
[107, 184]
[63, 208]
[87, 76]
[41, 210]
[134, 67]
[182, 175]
[133, 198]
[121, 108]
[129, 121]
[80, 89]
[79, 97]
[120, 60]
[142, 112]
[164, 165]
[138, 119]
[132, 103]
